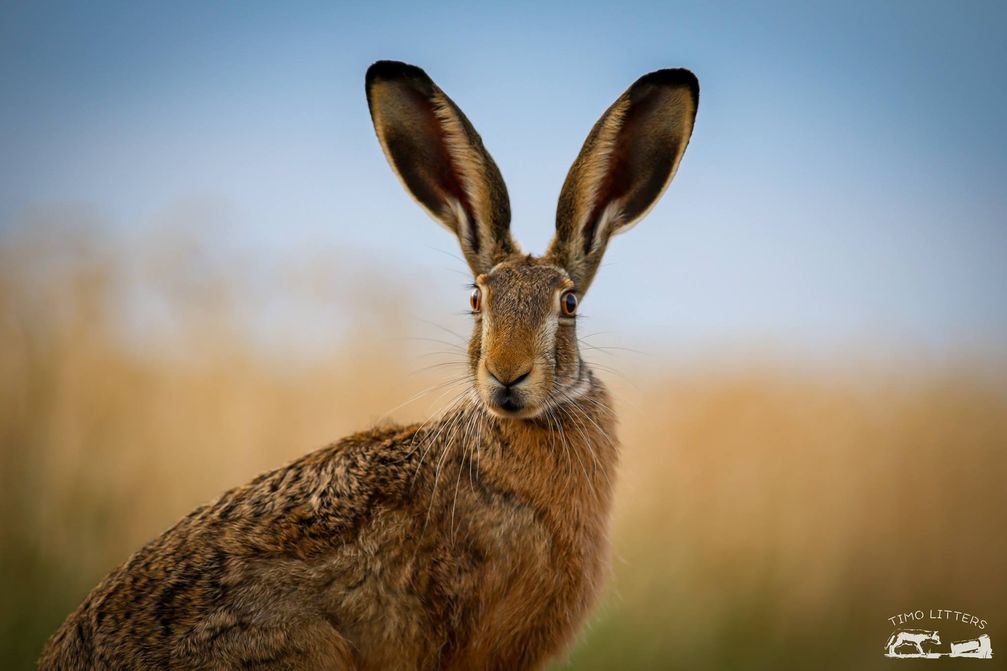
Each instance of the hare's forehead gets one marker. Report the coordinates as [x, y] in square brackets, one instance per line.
[525, 279]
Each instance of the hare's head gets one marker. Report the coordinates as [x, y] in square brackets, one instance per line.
[523, 353]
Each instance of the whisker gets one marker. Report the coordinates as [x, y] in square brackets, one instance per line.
[434, 340]
[439, 364]
[441, 327]
[612, 348]
[420, 394]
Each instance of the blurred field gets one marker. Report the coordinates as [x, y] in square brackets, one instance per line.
[767, 517]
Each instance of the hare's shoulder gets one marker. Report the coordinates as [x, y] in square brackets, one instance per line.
[315, 501]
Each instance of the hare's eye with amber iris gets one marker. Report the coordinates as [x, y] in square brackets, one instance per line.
[568, 303]
[476, 300]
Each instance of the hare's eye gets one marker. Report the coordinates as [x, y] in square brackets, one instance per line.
[568, 303]
[476, 300]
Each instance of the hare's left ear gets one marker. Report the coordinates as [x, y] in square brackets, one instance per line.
[627, 162]
[441, 161]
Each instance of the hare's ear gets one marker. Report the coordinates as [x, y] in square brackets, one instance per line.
[441, 160]
[627, 162]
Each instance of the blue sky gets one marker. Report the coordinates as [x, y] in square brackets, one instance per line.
[844, 186]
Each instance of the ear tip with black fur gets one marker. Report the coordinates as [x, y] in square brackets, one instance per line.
[393, 70]
[672, 77]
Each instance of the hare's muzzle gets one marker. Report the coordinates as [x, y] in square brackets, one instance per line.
[508, 390]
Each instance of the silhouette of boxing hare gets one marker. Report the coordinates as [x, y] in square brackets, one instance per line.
[477, 540]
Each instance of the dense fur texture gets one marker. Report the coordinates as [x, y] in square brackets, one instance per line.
[477, 540]
[393, 549]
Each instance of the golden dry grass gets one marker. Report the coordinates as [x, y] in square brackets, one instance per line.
[765, 516]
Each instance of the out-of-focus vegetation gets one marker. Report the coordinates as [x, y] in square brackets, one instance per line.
[767, 517]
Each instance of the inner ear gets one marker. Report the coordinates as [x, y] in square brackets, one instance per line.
[625, 165]
[650, 136]
[441, 160]
[415, 143]
[642, 159]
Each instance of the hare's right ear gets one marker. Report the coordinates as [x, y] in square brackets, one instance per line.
[441, 160]
[627, 162]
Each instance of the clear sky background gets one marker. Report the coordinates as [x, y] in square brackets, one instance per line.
[844, 188]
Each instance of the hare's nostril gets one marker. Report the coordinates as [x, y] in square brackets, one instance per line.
[519, 379]
[503, 379]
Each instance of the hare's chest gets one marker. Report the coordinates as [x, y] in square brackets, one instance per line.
[533, 586]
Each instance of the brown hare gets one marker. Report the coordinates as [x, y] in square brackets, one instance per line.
[474, 541]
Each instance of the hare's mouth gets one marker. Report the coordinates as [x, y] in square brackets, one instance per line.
[510, 403]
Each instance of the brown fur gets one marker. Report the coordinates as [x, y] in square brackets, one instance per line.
[475, 541]
[395, 548]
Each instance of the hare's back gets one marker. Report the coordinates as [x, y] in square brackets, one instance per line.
[239, 581]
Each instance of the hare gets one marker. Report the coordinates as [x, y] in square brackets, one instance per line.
[474, 541]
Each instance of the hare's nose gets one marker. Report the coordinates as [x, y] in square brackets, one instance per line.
[508, 378]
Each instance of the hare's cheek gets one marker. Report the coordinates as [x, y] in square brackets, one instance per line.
[476, 344]
[566, 350]
[475, 349]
